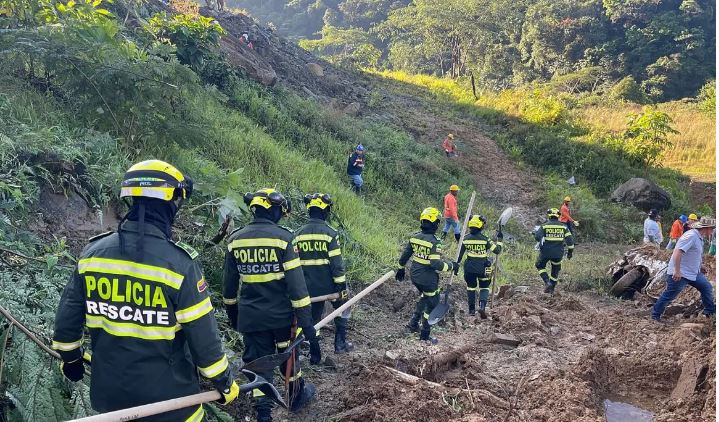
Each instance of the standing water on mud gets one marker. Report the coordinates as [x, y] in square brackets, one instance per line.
[615, 411]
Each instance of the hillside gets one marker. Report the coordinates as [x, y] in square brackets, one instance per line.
[88, 88]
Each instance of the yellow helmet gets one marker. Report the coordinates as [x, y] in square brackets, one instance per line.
[454, 188]
[430, 214]
[553, 212]
[693, 217]
[450, 136]
[268, 198]
[155, 179]
[477, 221]
[319, 200]
[567, 198]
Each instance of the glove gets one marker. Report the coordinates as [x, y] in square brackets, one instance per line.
[232, 315]
[229, 394]
[455, 267]
[576, 223]
[344, 295]
[309, 332]
[500, 235]
[488, 271]
[74, 371]
[569, 253]
[400, 275]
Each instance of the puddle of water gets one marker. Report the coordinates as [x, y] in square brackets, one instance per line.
[616, 411]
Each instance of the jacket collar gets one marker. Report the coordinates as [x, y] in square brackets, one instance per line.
[258, 220]
[317, 221]
[150, 229]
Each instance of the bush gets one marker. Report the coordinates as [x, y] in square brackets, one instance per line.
[647, 136]
[708, 98]
[193, 36]
[627, 89]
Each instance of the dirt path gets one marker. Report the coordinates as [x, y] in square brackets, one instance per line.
[576, 350]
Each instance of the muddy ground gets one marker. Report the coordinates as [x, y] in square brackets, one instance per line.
[576, 350]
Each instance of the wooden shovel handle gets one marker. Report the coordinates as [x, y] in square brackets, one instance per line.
[354, 299]
[324, 298]
[464, 229]
[138, 412]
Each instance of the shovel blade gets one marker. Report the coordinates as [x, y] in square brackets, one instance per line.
[438, 313]
[258, 382]
[270, 362]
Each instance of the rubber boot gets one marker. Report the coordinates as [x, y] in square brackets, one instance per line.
[264, 414]
[315, 352]
[424, 336]
[550, 287]
[482, 306]
[413, 325]
[545, 278]
[471, 301]
[304, 397]
[457, 236]
[341, 343]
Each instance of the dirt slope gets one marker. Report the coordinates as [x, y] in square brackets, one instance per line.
[576, 350]
[499, 179]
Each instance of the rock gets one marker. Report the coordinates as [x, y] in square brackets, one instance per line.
[315, 70]
[693, 373]
[505, 291]
[520, 289]
[352, 109]
[643, 194]
[554, 330]
[506, 339]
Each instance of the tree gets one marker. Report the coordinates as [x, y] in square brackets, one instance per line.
[647, 135]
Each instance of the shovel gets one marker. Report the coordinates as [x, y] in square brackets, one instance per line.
[138, 412]
[501, 222]
[440, 311]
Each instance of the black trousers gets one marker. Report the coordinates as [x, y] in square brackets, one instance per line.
[269, 342]
[541, 265]
[318, 309]
[428, 301]
[477, 282]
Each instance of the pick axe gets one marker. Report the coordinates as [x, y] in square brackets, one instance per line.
[440, 311]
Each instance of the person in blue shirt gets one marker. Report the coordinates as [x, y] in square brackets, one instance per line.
[685, 267]
[355, 165]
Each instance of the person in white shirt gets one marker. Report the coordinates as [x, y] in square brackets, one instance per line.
[652, 229]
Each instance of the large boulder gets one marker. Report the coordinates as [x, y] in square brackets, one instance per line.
[643, 194]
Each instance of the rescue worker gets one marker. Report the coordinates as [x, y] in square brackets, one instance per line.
[478, 266]
[676, 231]
[449, 147]
[321, 258]
[565, 215]
[652, 229]
[451, 213]
[146, 305]
[425, 250]
[272, 296]
[552, 236]
[355, 165]
[691, 219]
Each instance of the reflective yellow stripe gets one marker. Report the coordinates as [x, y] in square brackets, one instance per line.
[340, 279]
[421, 242]
[194, 312]
[555, 226]
[556, 262]
[283, 344]
[122, 267]
[309, 262]
[471, 288]
[198, 416]
[476, 255]
[420, 260]
[305, 301]
[543, 270]
[334, 252]
[227, 301]
[435, 256]
[296, 376]
[244, 243]
[325, 237]
[430, 294]
[484, 288]
[425, 315]
[567, 234]
[215, 369]
[126, 329]
[570, 247]
[291, 264]
[66, 347]
[475, 242]
[261, 278]
[257, 393]
[552, 278]
[499, 244]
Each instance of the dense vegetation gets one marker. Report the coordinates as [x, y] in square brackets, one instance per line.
[667, 46]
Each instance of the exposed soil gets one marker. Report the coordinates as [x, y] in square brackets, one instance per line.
[575, 351]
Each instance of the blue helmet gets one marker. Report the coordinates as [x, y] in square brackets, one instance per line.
[360, 147]
[683, 218]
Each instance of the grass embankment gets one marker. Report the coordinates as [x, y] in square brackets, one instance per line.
[559, 137]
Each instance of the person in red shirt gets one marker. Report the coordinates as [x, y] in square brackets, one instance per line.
[676, 231]
[448, 146]
[451, 215]
[565, 215]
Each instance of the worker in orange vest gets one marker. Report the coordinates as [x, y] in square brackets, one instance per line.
[565, 215]
[448, 146]
[451, 215]
[676, 231]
